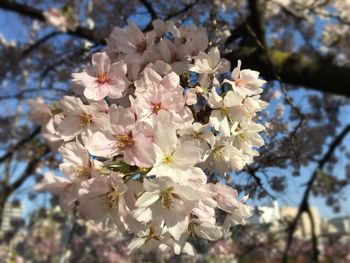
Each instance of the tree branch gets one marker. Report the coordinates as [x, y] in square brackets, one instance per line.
[38, 14]
[258, 181]
[304, 205]
[295, 69]
[314, 239]
[39, 42]
[149, 9]
[256, 21]
[32, 165]
[183, 10]
[20, 144]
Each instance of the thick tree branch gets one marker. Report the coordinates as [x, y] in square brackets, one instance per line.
[256, 21]
[22, 9]
[295, 69]
[314, 238]
[37, 14]
[150, 9]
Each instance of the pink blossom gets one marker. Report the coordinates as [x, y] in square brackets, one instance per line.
[103, 78]
[124, 136]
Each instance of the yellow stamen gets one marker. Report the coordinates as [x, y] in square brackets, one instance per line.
[82, 173]
[152, 234]
[167, 197]
[224, 110]
[85, 119]
[124, 140]
[218, 153]
[196, 135]
[111, 198]
[168, 160]
[190, 229]
[242, 136]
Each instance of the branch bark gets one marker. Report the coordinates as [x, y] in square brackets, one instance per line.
[304, 205]
[38, 14]
[22, 142]
[293, 68]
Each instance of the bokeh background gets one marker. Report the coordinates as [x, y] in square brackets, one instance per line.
[299, 185]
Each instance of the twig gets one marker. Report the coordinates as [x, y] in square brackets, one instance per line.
[257, 179]
[31, 166]
[181, 11]
[39, 42]
[22, 142]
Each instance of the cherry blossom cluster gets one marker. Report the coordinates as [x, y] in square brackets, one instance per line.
[155, 117]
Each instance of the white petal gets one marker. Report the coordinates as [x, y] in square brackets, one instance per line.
[186, 155]
[147, 199]
[165, 133]
[135, 244]
[232, 98]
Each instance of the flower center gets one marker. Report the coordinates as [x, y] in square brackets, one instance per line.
[224, 110]
[242, 136]
[156, 107]
[82, 173]
[141, 46]
[167, 197]
[218, 153]
[102, 78]
[111, 198]
[196, 135]
[124, 140]
[168, 159]
[190, 229]
[152, 234]
[85, 119]
[240, 82]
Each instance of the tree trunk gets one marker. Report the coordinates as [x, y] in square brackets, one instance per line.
[3, 198]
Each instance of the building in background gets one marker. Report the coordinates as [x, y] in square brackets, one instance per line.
[267, 215]
[277, 218]
[328, 228]
[304, 229]
[12, 213]
[341, 224]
